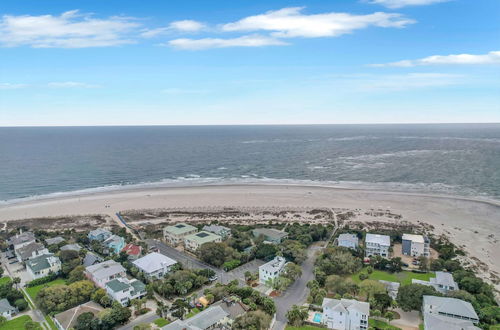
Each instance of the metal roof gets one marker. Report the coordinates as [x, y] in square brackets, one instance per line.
[153, 262]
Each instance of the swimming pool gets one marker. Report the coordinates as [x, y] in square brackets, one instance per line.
[317, 317]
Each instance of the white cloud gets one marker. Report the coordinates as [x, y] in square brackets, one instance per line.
[12, 86]
[458, 59]
[71, 84]
[68, 30]
[244, 41]
[290, 22]
[393, 4]
[177, 26]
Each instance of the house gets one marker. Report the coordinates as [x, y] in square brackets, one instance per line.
[376, 244]
[113, 244]
[271, 270]
[20, 240]
[348, 240]
[415, 245]
[29, 251]
[232, 306]
[174, 235]
[391, 287]
[452, 312]
[194, 241]
[104, 272]
[71, 247]
[124, 290]
[91, 259]
[222, 231]
[6, 309]
[213, 317]
[54, 240]
[443, 282]
[99, 234]
[271, 235]
[67, 320]
[43, 265]
[154, 265]
[345, 314]
[133, 251]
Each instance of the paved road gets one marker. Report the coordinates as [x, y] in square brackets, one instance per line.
[146, 318]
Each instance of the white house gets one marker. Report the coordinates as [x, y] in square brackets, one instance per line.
[448, 313]
[6, 309]
[123, 290]
[271, 270]
[222, 231]
[348, 240]
[154, 265]
[43, 265]
[376, 244]
[104, 272]
[415, 245]
[345, 314]
[29, 251]
[443, 282]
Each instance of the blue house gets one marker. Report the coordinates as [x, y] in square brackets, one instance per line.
[114, 244]
[99, 234]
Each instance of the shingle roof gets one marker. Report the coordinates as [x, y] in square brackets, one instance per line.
[90, 259]
[451, 306]
[208, 317]
[40, 263]
[439, 322]
[132, 249]
[68, 318]
[21, 238]
[55, 240]
[270, 232]
[26, 251]
[378, 239]
[348, 237]
[216, 229]
[105, 269]
[73, 247]
[153, 262]
[5, 306]
[444, 278]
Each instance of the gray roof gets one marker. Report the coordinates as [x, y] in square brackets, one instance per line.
[439, 322]
[378, 239]
[234, 309]
[270, 232]
[68, 318]
[105, 269]
[90, 259]
[55, 240]
[390, 285]
[73, 247]
[27, 236]
[41, 262]
[153, 262]
[216, 229]
[348, 237]
[348, 304]
[451, 306]
[26, 251]
[276, 264]
[5, 306]
[201, 321]
[444, 278]
[100, 231]
[179, 325]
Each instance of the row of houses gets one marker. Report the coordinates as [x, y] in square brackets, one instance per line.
[111, 244]
[376, 244]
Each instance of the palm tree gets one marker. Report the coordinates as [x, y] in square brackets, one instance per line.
[297, 315]
[16, 281]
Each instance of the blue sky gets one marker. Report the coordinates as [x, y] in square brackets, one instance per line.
[124, 62]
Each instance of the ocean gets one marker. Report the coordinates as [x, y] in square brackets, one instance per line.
[454, 159]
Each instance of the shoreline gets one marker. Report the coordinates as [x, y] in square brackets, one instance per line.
[471, 224]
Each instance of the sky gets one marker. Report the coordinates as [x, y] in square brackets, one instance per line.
[124, 62]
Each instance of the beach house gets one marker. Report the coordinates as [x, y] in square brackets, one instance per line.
[174, 235]
[194, 241]
[350, 241]
[443, 282]
[124, 290]
[345, 314]
[132, 251]
[113, 244]
[72, 247]
[154, 265]
[271, 235]
[391, 287]
[415, 245]
[19, 240]
[54, 240]
[99, 234]
[68, 319]
[6, 309]
[376, 244]
[268, 272]
[222, 231]
[213, 317]
[43, 265]
[448, 313]
[104, 272]
[29, 251]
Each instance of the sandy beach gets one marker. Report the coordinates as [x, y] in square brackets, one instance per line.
[471, 224]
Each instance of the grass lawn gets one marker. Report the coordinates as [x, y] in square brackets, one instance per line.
[4, 280]
[377, 324]
[16, 323]
[33, 291]
[161, 322]
[51, 323]
[193, 312]
[304, 327]
[403, 277]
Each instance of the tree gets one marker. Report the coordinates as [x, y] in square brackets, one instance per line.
[338, 261]
[16, 281]
[21, 304]
[142, 326]
[423, 263]
[292, 271]
[382, 301]
[255, 320]
[297, 315]
[389, 316]
[248, 275]
[2, 320]
[32, 325]
[337, 284]
[410, 296]
[371, 287]
[376, 313]
[84, 321]
[294, 251]
[265, 251]
[77, 274]
[490, 314]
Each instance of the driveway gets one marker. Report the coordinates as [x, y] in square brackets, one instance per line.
[408, 320]
[146, 318]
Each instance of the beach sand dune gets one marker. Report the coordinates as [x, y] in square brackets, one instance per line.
[471, 224]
